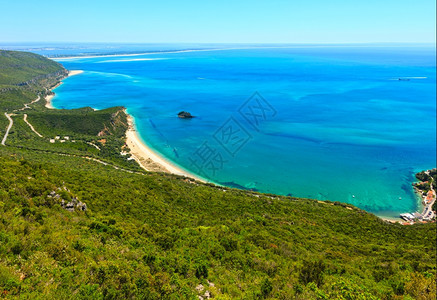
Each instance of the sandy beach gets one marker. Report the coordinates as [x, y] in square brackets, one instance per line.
[74, 72]
[50, 97]
[149, 159]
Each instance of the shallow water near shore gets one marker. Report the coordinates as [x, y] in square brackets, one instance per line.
[348, 124]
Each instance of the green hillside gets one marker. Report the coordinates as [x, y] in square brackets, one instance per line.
[24, 75]
[80, 222]
[21, 67]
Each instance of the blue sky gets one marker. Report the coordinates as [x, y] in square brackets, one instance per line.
[213, 21]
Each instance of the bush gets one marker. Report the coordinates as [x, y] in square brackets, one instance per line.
[201, 271]
[312, 272]
[266, 287]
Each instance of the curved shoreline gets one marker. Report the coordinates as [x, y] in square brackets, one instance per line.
[148, 158]
[49, 98]
[153, 161]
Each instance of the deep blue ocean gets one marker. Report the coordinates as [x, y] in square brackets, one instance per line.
[342, 123]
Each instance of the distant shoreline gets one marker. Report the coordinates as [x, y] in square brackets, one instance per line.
[157, 52]
[67, 57]
[128, 54]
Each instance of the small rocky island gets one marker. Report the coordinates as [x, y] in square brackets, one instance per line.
[185, 115]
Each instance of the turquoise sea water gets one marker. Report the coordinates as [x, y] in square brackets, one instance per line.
[330, 123]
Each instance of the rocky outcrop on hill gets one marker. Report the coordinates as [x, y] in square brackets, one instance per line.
[71, 204]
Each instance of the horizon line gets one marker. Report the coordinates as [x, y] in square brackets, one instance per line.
[218, 43]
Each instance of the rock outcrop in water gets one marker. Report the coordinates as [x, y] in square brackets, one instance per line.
[185, 115]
